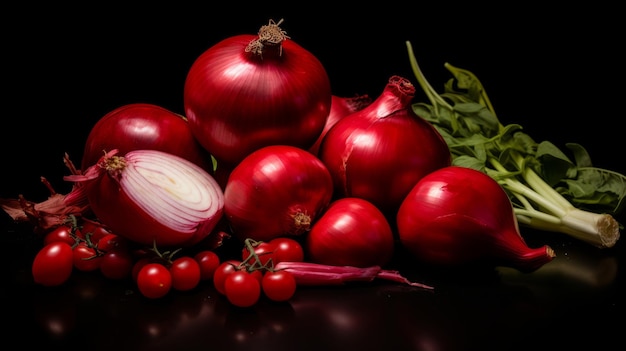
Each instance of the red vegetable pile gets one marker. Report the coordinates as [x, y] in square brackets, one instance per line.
[311, 188]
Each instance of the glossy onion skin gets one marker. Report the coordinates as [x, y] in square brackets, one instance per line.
[238, 102]
[381, 151]
[351, 232]
[270, 186]
[340, 107]
[141, 126]
[457, 215]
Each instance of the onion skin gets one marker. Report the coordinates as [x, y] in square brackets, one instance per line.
[278, 190]
[317, 274]
[456, 216]
[381, 151]
[125, 191]
[340, 107]
[238, 100]
[351, 232]
[143, 126]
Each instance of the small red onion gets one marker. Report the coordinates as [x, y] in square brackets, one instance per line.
[153, 197]
[351, 232]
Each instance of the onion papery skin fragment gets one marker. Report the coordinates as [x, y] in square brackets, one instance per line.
[351, 232]
[143, 126]
[278, 190]
[155, 198]
[381, 151]
[239, 100]
[457, 216]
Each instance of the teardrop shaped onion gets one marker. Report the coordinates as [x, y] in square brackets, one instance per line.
[150, 196]
[456, 216]
[379, 152]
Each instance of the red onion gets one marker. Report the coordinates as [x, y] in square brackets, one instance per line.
[381, 151]
[153, 197]
[142, 126]
[251, 91]
[351, 232]
[340, 107]
[275, 191]
[457, 216]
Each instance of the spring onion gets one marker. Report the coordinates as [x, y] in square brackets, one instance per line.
[549, 192]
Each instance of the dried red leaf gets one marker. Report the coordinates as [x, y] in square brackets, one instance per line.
[52, 212]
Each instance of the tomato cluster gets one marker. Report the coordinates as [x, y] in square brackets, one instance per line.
[85, 247]
[157, 274]
[88, 246]
[244, 281]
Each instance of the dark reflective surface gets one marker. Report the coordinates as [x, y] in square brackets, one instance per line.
[576, 299]
[75, 68]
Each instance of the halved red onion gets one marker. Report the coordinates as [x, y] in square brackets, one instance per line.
[153, 197]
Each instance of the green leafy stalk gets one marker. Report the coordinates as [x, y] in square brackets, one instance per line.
[548, 191]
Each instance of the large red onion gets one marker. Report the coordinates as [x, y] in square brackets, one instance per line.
[381, 151]
[351, 232]
[143, 126]
[456, 216]
[277, 190]
[251, 91]
[153, 197]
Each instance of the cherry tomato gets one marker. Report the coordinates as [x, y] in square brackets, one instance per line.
[258, 274]
[117, 263]
[225, 269]
[242, 289]
[278, 285]
[208, 261]
[154, 280]
[262, 249]
[96, 230]
[53, 264]
[111, 241]
[137, 266]
[185, 272]
[61, 233]
[287, 250]
[86, 258]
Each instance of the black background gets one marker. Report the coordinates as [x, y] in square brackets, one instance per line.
[557, 72]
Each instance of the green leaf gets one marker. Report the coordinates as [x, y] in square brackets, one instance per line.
[555, 165]
[477, 119]
[581, 156]
[470, 162]
[597, 188]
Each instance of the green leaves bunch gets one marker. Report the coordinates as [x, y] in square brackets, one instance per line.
[549, 190]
